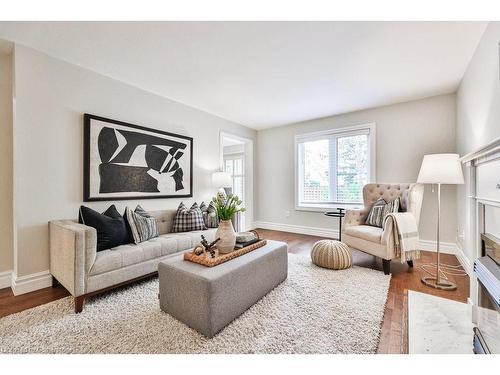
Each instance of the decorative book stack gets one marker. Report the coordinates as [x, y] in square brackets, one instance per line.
[244, 239]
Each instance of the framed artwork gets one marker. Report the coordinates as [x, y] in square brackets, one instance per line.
[126, 161]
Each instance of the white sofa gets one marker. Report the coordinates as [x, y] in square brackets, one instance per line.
[76, 264]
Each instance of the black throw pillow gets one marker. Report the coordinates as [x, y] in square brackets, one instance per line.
[112, 212]
[111, 227]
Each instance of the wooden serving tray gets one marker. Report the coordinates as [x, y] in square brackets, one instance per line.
[205, 259]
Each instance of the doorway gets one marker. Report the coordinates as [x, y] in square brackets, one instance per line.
[237, 161]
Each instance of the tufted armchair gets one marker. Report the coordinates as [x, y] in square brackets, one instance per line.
[380, 241]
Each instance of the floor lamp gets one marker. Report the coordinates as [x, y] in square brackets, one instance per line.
[440, 169]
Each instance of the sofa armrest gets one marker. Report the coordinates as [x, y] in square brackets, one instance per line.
[73, 249]
[355, 217]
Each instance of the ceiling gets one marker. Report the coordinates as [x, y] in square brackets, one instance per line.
[266, 74]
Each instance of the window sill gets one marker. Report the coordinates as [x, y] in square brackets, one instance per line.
[329, 207]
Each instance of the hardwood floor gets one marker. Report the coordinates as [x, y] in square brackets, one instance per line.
[10, 304]
[403, 278]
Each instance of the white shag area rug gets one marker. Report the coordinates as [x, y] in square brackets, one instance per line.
[315, 310]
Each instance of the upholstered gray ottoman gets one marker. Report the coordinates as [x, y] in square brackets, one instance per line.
[209, 298]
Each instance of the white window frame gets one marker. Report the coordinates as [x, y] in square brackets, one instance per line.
[334, 133]
[233, 157]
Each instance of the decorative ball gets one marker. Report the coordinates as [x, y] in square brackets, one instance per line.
[331, 254]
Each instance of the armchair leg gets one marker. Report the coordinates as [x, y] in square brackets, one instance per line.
[410, 263]
[79, 302]
[386, 264]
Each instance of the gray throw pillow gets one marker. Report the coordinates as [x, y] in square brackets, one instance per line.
[142, 225]
[210, 217]
[380, 210]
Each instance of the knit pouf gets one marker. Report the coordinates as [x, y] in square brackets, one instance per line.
[331, 254]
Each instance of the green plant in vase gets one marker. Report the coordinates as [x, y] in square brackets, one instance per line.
[225, 211]
[228, 207]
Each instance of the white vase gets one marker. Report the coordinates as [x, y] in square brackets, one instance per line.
[227, 236]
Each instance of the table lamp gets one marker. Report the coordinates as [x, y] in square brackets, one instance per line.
[440, 169]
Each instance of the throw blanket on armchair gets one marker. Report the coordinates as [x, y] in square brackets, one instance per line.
[405, 235]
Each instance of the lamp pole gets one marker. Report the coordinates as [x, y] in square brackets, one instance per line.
[440, 169]
[438, 281]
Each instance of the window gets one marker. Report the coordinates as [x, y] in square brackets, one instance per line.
[234, 165]
[333, 166]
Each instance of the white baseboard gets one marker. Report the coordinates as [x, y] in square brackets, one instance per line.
[311, 231]
[464, 260]
[30, 283]
[448, 248]
[5, 279]
[444, 247]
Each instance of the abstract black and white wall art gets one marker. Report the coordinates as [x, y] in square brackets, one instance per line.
[125, 161]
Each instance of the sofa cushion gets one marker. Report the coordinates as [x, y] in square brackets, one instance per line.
[164, 220]
[182, 241]
[112, 259]
[366, 232]
[380, 210]
[142, 225]
[110, 226]
[209, 215]
[123, 256]
[187, 220]
[141, 211]
[188, 240]
[196, 235]
[166, 244]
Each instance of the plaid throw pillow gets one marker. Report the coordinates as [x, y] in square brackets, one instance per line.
[210, 217]
[187, 220]
[380, 210]
[142, 225]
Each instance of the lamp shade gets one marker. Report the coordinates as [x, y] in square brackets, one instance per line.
[441, 169]
[221, 179]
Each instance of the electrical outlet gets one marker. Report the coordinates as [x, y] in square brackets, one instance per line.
[287, 213]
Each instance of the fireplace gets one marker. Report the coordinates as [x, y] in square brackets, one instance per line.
[487, 271]
[482, 243]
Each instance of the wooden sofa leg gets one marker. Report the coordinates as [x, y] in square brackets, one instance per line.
[410, 263]
[386, 264]
[79, 302]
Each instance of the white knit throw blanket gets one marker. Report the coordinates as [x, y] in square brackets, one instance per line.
[405, 234]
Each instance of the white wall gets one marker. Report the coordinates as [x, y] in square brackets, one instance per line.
[51, 97]
[478, 110]
[6, 229]
[405, 132]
